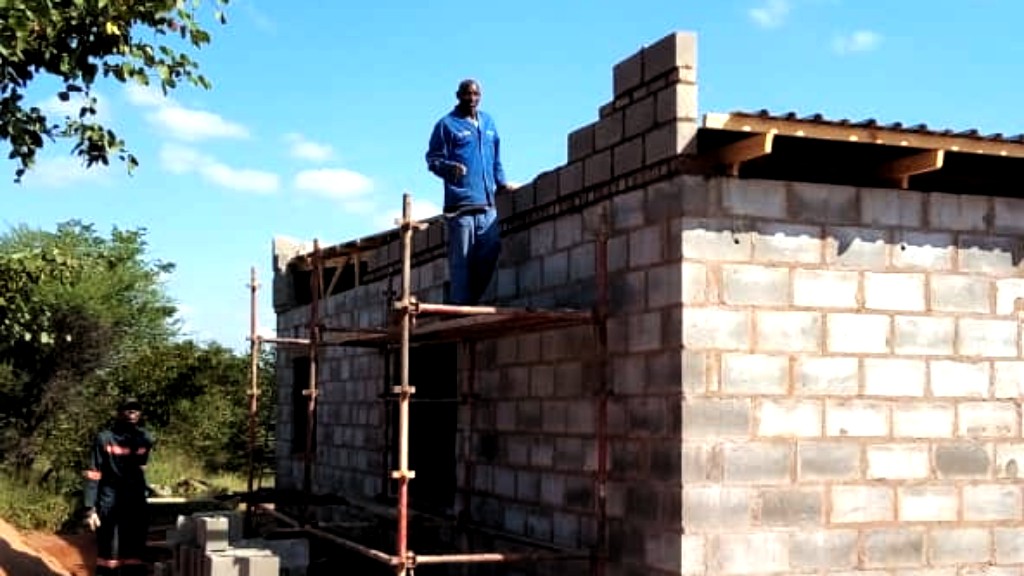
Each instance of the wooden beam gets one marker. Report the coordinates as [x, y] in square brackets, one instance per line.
[735, 154]
[868, 134]
[902, 169]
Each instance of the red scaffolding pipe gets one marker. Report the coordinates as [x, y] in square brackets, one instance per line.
[404, 560]
[403, 474]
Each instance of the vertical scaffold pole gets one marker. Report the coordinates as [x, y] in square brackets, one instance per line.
[254, 385]
[403, 474]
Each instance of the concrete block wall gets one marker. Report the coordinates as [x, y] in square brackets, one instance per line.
[852, 366]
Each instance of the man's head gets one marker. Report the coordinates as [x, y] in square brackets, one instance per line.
[468, 95]
[129, 410]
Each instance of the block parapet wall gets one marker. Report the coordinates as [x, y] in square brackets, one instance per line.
[852, 367]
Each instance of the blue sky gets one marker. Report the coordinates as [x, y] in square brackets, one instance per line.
[320, 111]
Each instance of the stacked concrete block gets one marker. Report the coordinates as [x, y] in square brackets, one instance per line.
[210, 544]
[851, 364]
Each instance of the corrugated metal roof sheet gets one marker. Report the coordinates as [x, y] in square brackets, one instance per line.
[820, 119]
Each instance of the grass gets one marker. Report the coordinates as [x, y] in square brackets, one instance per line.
[173, 471]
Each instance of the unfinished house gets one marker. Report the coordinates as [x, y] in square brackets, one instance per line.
[717, 344]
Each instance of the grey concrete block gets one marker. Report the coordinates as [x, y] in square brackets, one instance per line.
[787, 243]
[639, 117]
[898, 462]
[856, 418]
[900, 377]
[886, 207]
[894, 548]
[924, 336]
[677, 101]
[932, 251]
[545, 187]
[825, 288]
[676, 50]
[957, 379]
[714, 418]
[757, 198]
[992, 502]
[789, 331]
[745, 284]
[792, 507]
[828, 461]
[668, 140]
[997, 255]
[581, 142]
[894, 291]
[758, 463]
[710, 328]
[988, 419]
[608, 131]
[960, 293]
[856, 504]
[754, 374]
[988, 338]
[716, 507]
[959, 546]
[827, 376]
[715, 240]
[860, 248]
[924, 503]
[959, 212]
[751, 553]
[628, 156]
[695, 282]
[923, 420]
[785, 418]
[628, 74]
[823, 550]
[212, 533]
[570, 179]
[822, 203]
[1009, 545]
[858, 333]
[597, 168]
[647, 246]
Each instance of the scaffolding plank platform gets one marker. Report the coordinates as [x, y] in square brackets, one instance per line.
[488, 322]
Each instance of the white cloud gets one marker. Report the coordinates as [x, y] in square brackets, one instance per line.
[333, 183]
[179, 159]
[421, 210]
[770, 14]
[304, 149]
[180, 122]
[63, 172]
[859, 41]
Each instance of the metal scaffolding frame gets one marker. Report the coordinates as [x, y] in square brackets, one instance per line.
[470, 323]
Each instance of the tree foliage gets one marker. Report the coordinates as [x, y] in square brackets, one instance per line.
[84, 321]
[76, 43]
[74, 305]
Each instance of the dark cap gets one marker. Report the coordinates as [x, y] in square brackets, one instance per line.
[130, 403]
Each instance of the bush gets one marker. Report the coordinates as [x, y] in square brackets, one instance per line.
[32, 507]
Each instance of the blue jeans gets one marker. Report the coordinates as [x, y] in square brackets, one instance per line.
[474, 244]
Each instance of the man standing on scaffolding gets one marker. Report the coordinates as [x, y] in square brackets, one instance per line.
[115, 493]
[464, 151]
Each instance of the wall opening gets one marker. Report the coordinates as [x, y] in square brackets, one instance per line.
[300, 406]
[433, 421]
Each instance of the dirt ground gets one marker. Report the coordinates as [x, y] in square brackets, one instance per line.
[39, 554]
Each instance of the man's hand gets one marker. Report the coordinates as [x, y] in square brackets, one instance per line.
[509, 187]
[92, 519]
[458, 170]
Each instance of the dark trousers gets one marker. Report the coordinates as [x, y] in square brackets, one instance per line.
[474, 244]
[121, 539]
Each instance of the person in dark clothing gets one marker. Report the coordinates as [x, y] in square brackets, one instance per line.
[465, 152]
[115, 493]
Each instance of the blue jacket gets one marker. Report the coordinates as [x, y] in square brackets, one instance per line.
[457, 140]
